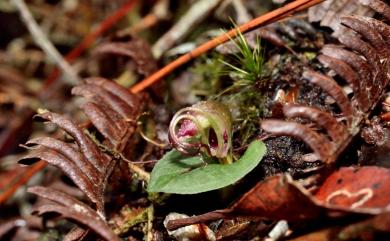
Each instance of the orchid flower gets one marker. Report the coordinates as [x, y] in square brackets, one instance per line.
[205, 127]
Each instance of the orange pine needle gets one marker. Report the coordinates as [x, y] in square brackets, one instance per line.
[23, 179]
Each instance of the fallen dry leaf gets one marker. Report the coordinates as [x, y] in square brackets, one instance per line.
[361, 190]
[276, 198]
[357, 188]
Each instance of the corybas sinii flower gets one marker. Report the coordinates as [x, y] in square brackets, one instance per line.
[205, 127]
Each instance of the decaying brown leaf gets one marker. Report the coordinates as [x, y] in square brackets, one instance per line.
[360, 190]
[278, 198]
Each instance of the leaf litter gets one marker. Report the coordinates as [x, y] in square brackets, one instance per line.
[291, 155]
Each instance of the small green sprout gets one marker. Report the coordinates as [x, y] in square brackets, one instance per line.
[246, 66]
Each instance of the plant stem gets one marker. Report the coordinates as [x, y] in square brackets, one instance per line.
[149, 229]
[198, 11]
[228, 159]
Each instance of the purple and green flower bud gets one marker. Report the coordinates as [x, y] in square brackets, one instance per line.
[204, 127]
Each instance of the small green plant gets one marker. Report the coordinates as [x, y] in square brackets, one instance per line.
[202, 160]
[181, 174]
[246, 66]
[244, 96]
[202, 134]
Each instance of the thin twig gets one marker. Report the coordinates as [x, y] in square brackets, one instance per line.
[207, 217]
[141, 173]
[243, 15]
[153, 142]
[198, 11]
[41, 40]
[270, 17]
[149, 225]
[159, 12]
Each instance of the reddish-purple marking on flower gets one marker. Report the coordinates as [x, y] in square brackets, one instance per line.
[187, 128]
[213, 139]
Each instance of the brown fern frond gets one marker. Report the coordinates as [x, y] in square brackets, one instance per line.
[378, 6]
[86, 145]
[347, 73]
[353, 60]
[319, 143]
[329, 12]
[136, 49]
[379, 26]
[363, 48]
[361, 26]
[75, 234]
[70, 152]
[330, 86]
[131, 99]
[113, 111]
[77, 175]
[8, 226]
[335, 130]
[70, 208]
[362, 62]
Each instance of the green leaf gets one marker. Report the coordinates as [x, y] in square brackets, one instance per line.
[176, 173]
